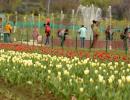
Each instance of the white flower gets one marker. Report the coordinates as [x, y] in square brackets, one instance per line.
[14, 67]
[123, 78]
[98, 64]
[59, 73]
[128, 79]
[96, 71]
[116, 63]
[6, 69]
[103, 81]
[103, 64]
[123, 71]
[73, 76]
[129, 65]
[100, 68]
[116, 72]
[49, 71]
[110, 64]
[66, 72]
[37, 63]
[41, 66]
[44, 67]
[122, 63]
[93, 64]
[111, 67]
[111, 78]
[120, 82]
[70, 81]
[96, 60]
[96, 87]
[81, 80]
[100, 78]
[91, 80]
[48, 77]
[58, 66]
[86, 72]
[81, 89]
[29, 82]
[128, 70]
[104, 71]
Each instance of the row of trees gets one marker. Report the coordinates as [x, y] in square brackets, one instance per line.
[25, 5]
[120, 8]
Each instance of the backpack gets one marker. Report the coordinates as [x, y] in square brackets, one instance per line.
[122, 36]
[58, 32]
[61, 32]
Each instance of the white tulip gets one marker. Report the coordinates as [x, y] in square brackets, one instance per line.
[66, 72]
[81, 89]
[96, 71]
[129, 65]
[100, 78]
[128, 79]
[91, 80]
[49, 71]
[123, 78]
[86, 72]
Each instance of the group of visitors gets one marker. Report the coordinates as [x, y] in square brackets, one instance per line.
[62, 33]
[83, 34]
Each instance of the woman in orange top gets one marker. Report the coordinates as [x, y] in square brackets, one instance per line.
[8, 31]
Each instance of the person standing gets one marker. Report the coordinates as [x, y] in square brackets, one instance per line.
[95, 29]
[83, 32]
[62, 35]
[7, 34]
[108, 34]
[47, 32]
[124, 37]
[35, 33]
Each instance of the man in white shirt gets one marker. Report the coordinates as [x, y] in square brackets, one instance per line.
[83, 33]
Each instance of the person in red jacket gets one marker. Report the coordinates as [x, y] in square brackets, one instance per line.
[47, 32]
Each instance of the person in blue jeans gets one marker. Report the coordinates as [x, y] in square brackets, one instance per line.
[83, 33]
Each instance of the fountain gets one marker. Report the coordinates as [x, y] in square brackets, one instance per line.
[48, 7]
[73, 20]
[61, 19]
[39, 21]
[16, 20]
[89, 13]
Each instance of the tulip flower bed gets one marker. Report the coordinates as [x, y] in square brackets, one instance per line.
[70, 53]
[67, 74]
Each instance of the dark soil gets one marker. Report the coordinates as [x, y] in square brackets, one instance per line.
[22, 92]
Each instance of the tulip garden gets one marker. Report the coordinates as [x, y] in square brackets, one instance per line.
[65, 74]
